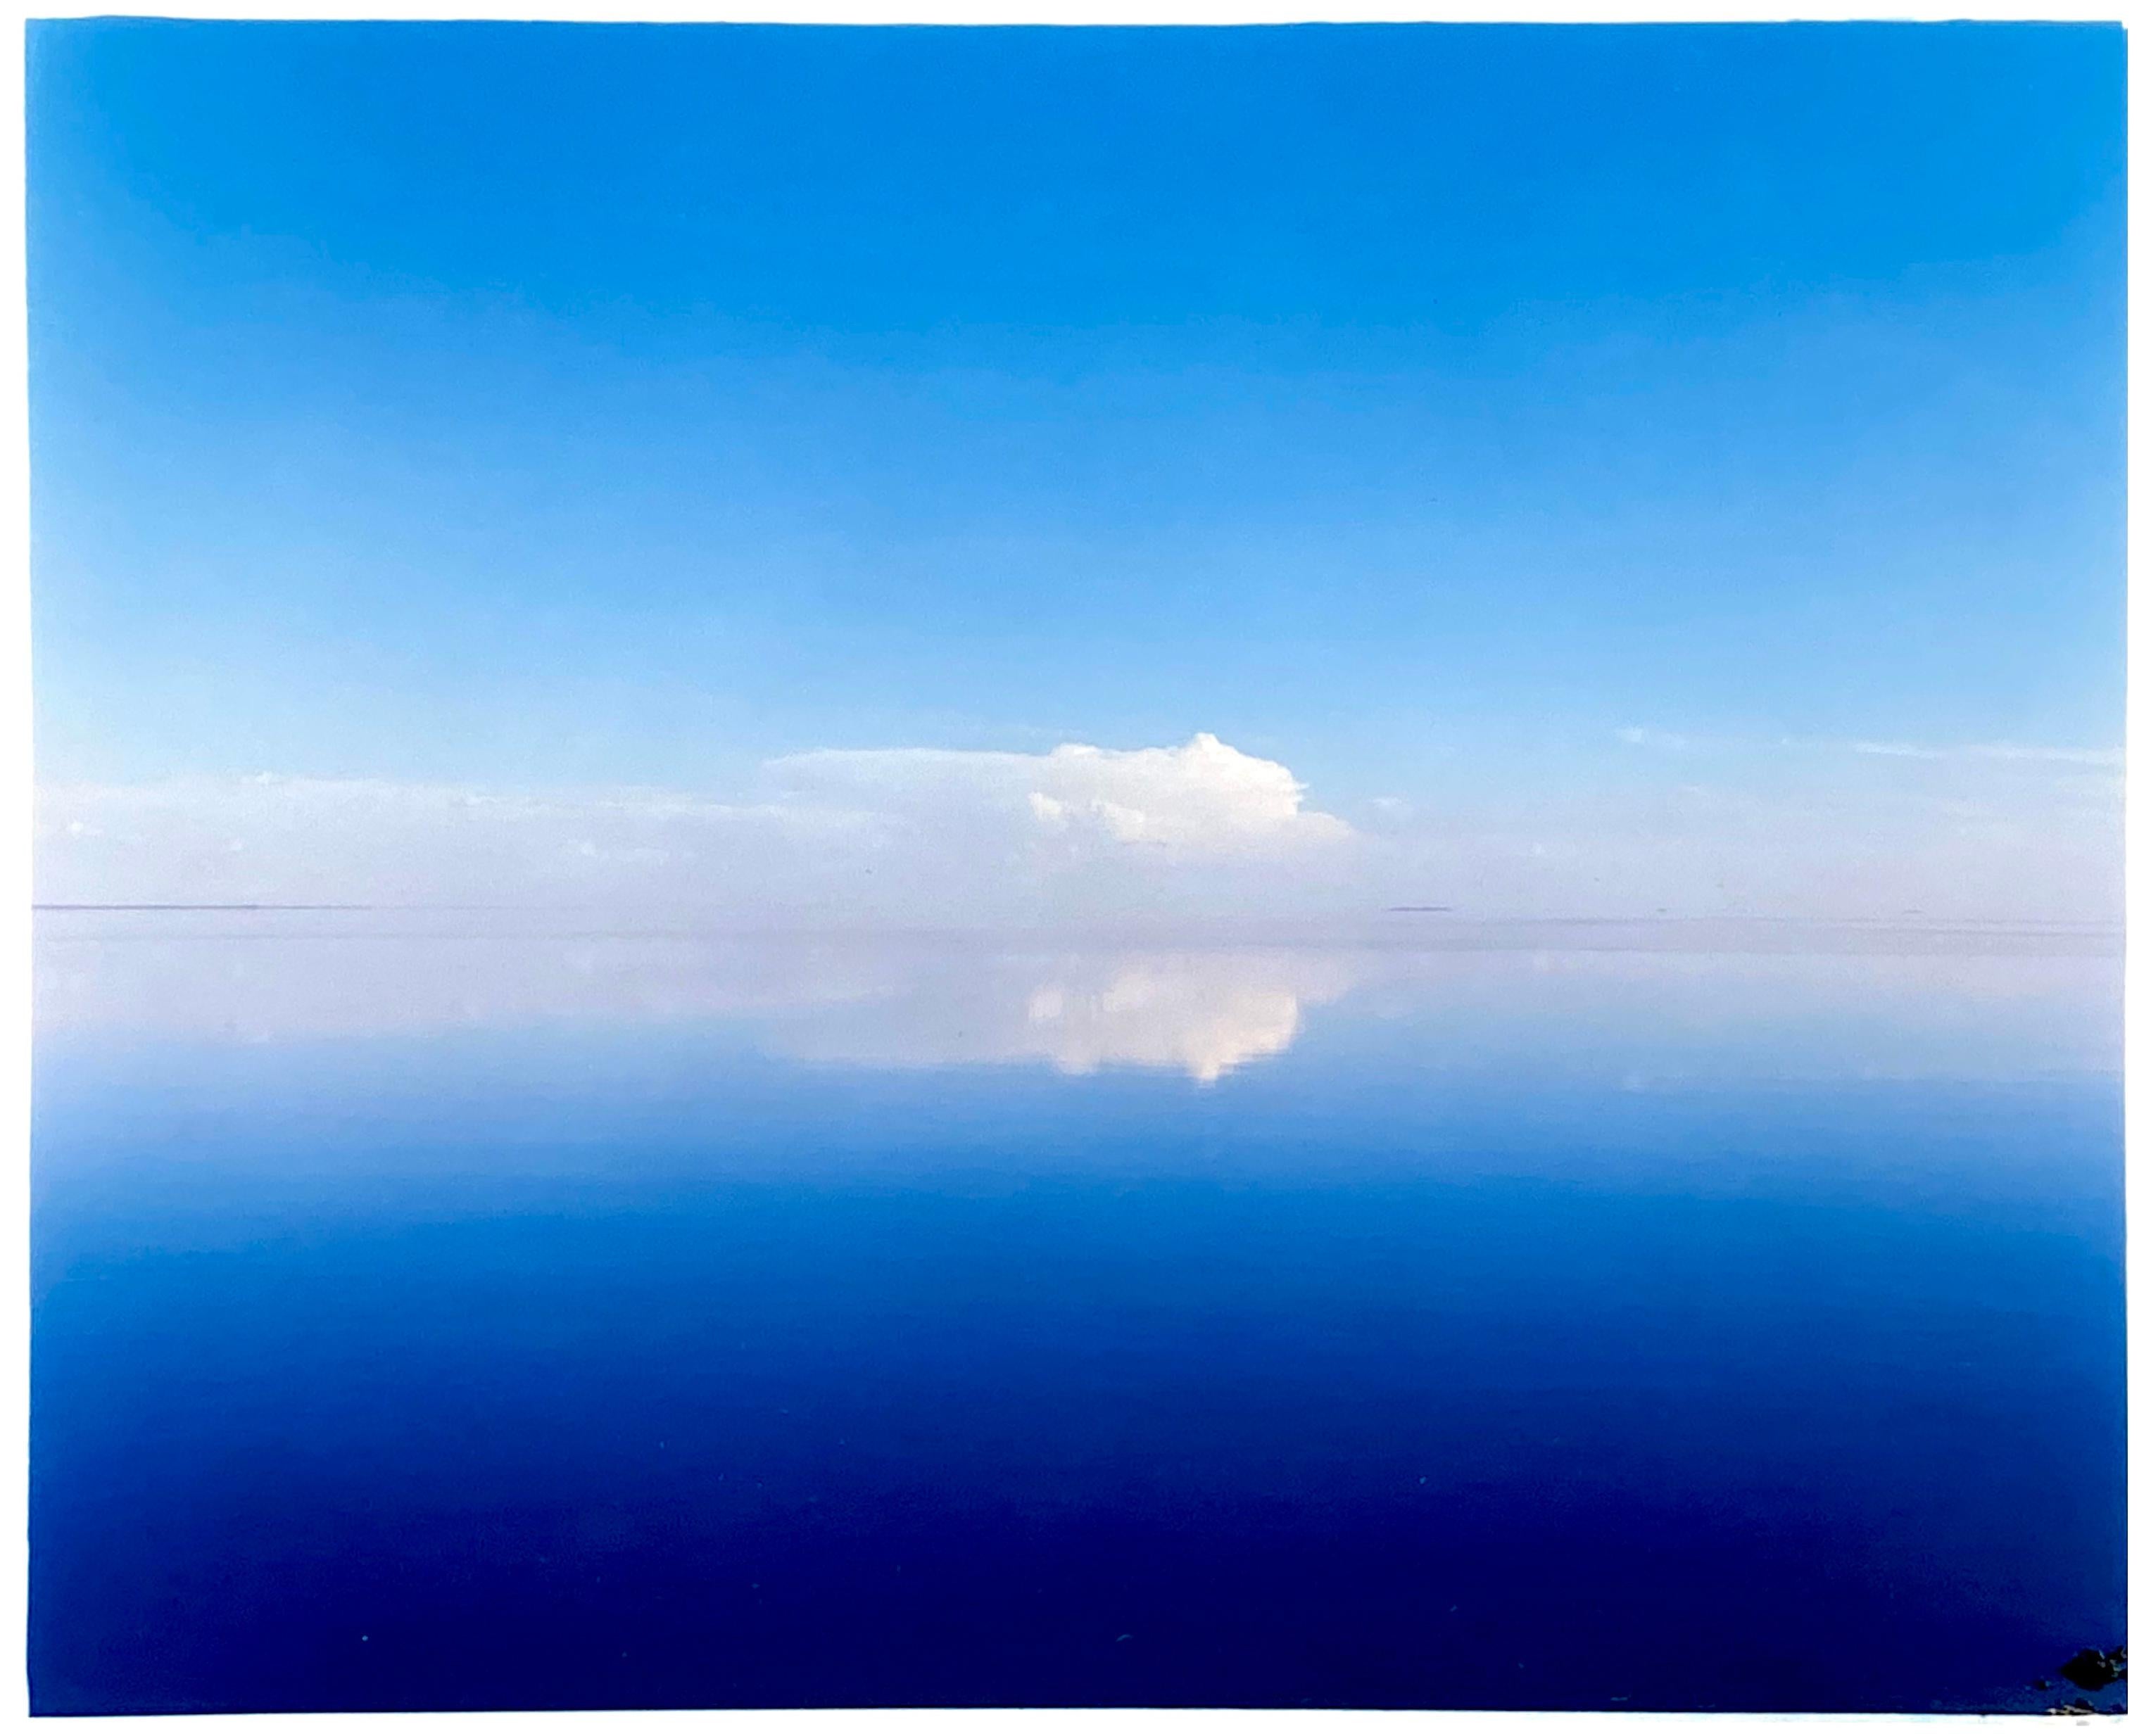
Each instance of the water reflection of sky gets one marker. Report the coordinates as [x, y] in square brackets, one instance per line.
[427, 1316]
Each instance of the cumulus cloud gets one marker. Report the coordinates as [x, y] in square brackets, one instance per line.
[1203, 798]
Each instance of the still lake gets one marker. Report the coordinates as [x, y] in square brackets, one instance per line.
[1437, 1316]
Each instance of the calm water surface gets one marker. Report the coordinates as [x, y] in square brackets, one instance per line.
[425, 1319]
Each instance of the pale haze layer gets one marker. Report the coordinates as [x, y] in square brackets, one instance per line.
[936, 837]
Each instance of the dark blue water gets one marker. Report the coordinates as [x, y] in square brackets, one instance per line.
[1511, 1331]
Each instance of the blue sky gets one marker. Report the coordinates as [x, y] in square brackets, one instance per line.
[1419, 407]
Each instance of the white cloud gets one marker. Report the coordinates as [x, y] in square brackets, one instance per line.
[1203, 798]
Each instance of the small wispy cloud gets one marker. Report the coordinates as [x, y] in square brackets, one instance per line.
[1999, 750]
[1993, 752]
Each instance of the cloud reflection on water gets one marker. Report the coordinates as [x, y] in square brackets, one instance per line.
[1654, 1014]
